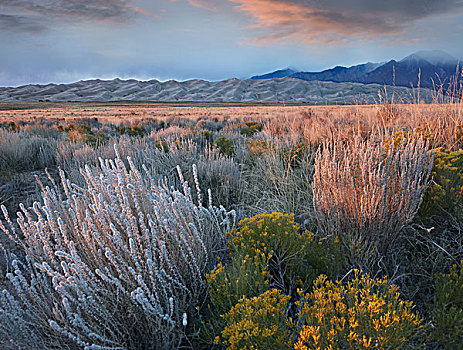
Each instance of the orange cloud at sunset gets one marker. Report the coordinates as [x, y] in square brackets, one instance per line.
[335, 20]
[141, 10]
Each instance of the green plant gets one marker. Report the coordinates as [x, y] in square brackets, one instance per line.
[296, 154]
[267, 251]
[249, 128]
[260, 322]
[448, 308]
[209, 136]
[225, 146]
[291, 257]
[136, 131]
[162, 146]
[13, 126]
[365, 313]
[258, 147]
[101, 137]
[444, 195]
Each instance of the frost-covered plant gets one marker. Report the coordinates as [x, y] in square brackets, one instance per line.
[366, 194]
[21, 151]
[117, 264]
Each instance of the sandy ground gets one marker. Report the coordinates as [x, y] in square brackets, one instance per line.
[112, 112]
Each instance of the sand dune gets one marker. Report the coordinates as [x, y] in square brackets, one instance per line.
[230, 90]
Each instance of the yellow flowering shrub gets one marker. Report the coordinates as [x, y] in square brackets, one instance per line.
[403, 136]
[258, 323]
[266, 251]
[240, 278]
[258, 147]
[365, 313]
[445, 194]
[249, 128]
[275, 242]
[448, 308]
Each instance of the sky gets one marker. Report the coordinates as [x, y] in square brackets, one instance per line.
[62, 41]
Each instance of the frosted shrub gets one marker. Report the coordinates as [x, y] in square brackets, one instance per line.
[117, 264]
[366, 193]
[21, 152]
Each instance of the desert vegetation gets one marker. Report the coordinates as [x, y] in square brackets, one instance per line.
[298, 227]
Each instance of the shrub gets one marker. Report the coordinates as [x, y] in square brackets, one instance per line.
[13, 126]
[277, 244]
[258, 147]
[136, 131]
[225, 145]
[444, 196]
[21, 152]
[82, 133]
[366, 195]
[228, 284]
[101, 137]
[119, 264]
[268, 251]
[258, 323]
[250, 128]
[162, 146]
[448, 308]
[209, 136]
[364, 313]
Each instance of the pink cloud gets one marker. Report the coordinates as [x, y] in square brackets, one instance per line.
[337, 20]
[142, 10]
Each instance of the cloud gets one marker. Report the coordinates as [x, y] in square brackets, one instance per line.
[28, 15]
[337, 20]
[210, 5]
[20, 24]
[142, 10]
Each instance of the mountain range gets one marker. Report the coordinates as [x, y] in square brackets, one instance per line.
[427, 69]
[356, 84]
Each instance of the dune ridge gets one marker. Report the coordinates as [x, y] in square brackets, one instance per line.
[231, 90]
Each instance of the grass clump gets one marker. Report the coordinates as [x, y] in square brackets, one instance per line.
[367, 194]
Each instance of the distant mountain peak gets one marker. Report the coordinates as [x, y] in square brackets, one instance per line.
[435, 57]
[280, 73]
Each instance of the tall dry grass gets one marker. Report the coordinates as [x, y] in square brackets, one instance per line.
[365, 192]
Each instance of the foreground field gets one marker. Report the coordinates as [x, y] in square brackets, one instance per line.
[231, 226]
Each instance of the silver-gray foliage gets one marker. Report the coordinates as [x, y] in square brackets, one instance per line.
[117, 264]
